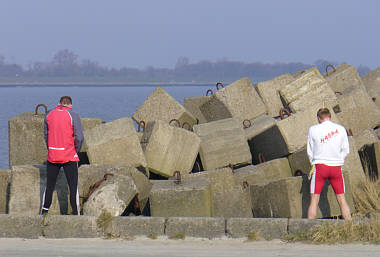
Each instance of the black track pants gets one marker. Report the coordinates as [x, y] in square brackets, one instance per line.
[71, 173]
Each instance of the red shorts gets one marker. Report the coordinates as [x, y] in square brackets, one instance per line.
[332, 173]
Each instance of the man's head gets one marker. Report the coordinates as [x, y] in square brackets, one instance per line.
[323, 114]
[66, 101]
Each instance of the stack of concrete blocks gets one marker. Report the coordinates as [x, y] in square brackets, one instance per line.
[223, 142]
[162, 106]
[5, 183]
[115, 142]
[238, 100]
[342, 77]
[371, 82]
[28, 184]
[168, 149]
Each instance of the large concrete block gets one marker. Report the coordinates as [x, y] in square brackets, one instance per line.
[223, 142]
[190, 198]
[87, 124]
[269, 92]
[193, 104]
[343, 77]
[371, 81]
[370, 158]
[162, 106]
[5, 188]
[290, 198]
[138, 226]
[352, 165]
[238, 100]
[64, 226]
[115, 142]
[196, 227]
[299, 162]
[258, 125]
[113, 195]
[168, 148]
[366, 137]
[28, 184]
[297, 226]
[264, 172]
[264, 228]
[22, 226]
[358, 111]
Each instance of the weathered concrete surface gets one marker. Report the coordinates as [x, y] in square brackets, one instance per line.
[113, 195]
[264, 228]
[296, 226]
[168, 148]
[162, 106]
[195, 227]
[223, 142]
[28, 184]
[366, 137]
[264, 172]
[191, 198]
[193, 104]
[237, 100]
[87, 124]
[23, 226]
[344, 77]
[258, 125]
[68, 226]
[352, 165]
[371, 81]
[290, 198]
[115, 142]
[138, 226]
[269, 92]
[370, 159]
[299, 161]
[5, 183]
[359, 112]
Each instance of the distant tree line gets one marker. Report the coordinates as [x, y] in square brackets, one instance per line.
[65, 64]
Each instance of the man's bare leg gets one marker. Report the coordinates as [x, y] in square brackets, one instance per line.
[313, 207]
[344, 208]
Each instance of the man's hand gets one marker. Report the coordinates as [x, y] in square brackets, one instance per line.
[312, 170]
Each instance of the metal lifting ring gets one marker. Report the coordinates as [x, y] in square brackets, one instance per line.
[175, 120]
[282, 111]
[209, 91]
[374, 99]
[247, 124]
[141, 126]
[338, 93]
[188, 124]
[177, 175]
[327, 68]
[231, 167]
[261, 158]
[245, 184]
[38, 105]
[219, 84]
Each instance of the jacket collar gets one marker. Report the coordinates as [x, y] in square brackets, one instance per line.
[61, 107]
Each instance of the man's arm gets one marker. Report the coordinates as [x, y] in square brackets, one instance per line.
[78, 132]
[310, 146]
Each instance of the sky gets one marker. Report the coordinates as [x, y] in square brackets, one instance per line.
[124, 33]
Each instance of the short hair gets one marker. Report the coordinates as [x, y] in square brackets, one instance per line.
[323, 113]
[65, 100]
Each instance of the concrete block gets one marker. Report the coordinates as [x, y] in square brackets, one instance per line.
[343, 77]
[297, 226]
[168, 148]
[196, 227]
[115, 142]
[138, 226]
[223, 142]
[299, 162]
[5, 188]
[371, 81]
[352, 165]
[265, 228]
[237, 100]
[87, 124]
[162, 106]
[113, 195]
[290, 198]
[190, 198]
[358, 111]
[269, 92]
[28, 184]
[69, 226]
[22, 226]
[370, 159]
[258, 126]
[264, 172]
[365, 137]
[193, 104]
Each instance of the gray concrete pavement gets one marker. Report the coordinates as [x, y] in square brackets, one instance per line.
[164, 248]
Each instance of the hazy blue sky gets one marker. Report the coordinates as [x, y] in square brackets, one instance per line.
[156, 32]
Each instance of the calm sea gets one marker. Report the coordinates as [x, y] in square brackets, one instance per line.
[107, 103]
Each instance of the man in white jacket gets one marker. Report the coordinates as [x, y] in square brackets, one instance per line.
[327, 146]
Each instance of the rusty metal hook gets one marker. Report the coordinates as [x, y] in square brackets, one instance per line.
[177, 175]
[209, 91]
[175, 120]
[231, 167]
[219, 84]
[38, 105]
[261, 158]
[188, 124]
[141, 126]
[327, 68]
[247, 124]
[338, 93]
[374, 99]
[245, 184]
[349, 133]
[282, 111]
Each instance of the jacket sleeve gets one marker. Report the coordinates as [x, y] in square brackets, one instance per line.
[46, 129]
[78, 132]
[310, 146]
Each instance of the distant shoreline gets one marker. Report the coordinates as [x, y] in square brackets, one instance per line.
[89, 84]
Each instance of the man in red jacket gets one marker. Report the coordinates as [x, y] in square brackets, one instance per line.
[64, 138]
